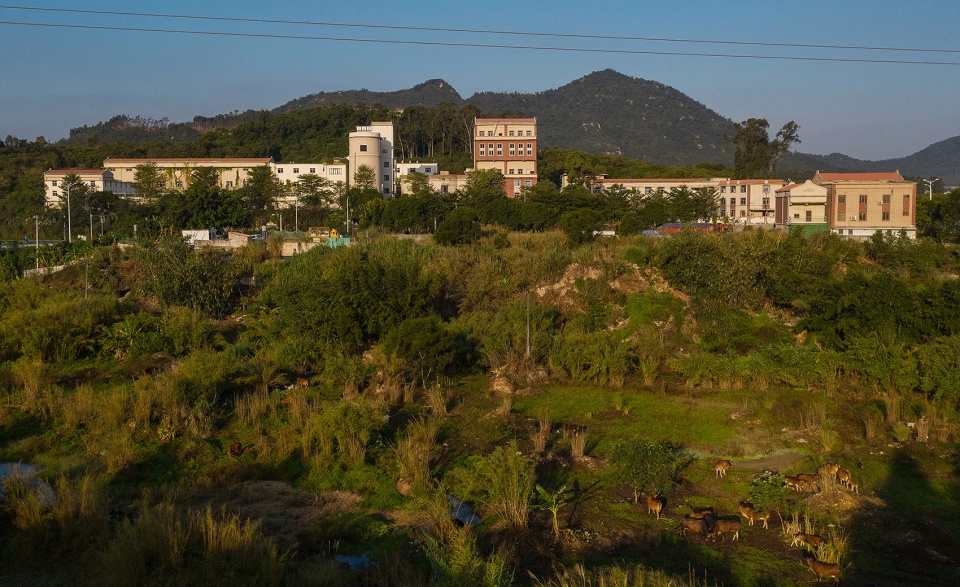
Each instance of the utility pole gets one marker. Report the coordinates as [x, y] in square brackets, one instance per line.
[930, 183]
[91, 225]
[69, 185]
[528, 323]
[36, 238]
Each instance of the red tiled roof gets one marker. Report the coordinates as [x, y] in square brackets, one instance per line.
[505, 120]
[190, 160]
[787, 188]
[863, 176]
[74, 170]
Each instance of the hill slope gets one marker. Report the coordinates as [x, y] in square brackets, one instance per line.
[608, 112]
[430, 93]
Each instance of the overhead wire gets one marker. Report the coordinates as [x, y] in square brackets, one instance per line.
[474, 31]
[481, 45]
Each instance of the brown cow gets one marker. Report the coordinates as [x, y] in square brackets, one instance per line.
[722, 467]
[302, 382]
[854, 486]
[654, 504]
[810, 479]
[844, 476]
[694, 525]
[752, 515]
[793, 481]
[235, 449]
[821, 569]
[829, 470]
[721, 527]
[810, 540]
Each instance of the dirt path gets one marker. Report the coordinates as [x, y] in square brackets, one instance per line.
[775, 462]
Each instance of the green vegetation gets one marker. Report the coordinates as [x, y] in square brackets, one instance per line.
[200, 417]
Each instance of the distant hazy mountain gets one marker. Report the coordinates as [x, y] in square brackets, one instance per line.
[603, 112]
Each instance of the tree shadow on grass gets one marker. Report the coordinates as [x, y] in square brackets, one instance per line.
[914, 537]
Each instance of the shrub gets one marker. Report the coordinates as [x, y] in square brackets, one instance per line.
[644, 464]
[461, 226]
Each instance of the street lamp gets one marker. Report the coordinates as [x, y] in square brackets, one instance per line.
[280, 216]
[36, 238]
[69, 185]
[930, 183]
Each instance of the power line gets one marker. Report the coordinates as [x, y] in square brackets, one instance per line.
[480, 45]
[484, 31]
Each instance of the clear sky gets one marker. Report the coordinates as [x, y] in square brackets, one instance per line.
[52, 79]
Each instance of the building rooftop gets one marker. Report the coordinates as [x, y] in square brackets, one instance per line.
[74, 170]
[862, 176]
[495, 120]
[257, 160]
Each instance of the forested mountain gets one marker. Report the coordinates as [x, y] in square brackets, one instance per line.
[430, 93]
[603, 112]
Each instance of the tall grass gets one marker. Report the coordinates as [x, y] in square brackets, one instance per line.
[414, 451]
[616, 576]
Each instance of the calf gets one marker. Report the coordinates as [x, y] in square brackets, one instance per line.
[694, 525]
[722, 467]
[302, 382]
[854, 486]
[752, 515]
[654, 505]
[721, 527]
[822, 570]
[844, 476]
[794, 482]
[810, 479]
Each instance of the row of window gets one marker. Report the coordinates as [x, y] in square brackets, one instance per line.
[885, 198]
[295, 170]
[527, 183]
[863, 216]
[519, 133]
[518, 171]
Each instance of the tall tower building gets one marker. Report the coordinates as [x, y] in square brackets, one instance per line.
[508, 145]
[373, 146]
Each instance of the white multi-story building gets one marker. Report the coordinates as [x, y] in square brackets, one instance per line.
[97, 180]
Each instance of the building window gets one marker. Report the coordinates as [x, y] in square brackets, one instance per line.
[886, 198]
[386, 165]
[797, 216]
[529, 133]
[766, 189]
[743, 189]
[129, 169]
[511, 172]
[743, 201]
[483, 134]
[863, 198]
[483, 153]
[54, 183]
[648, 191]
[841, 216]
[279, 169]
[723, 202]
[245, 183]
[841, 199]
[906, 205]
[444, 189]
[766, 201]
[363, 148]
[313, 170]
[490, 148]
[511, 133]
[56, 195]
[863, 216]
[743, 213]
[296, 170]
[499, 150]
[723, 189]
[230, 183]
[886, 216]
[179, 184]
[516, 183]
[386, 177]
[528, 183]
[809, 216]
[163, 184]
[336, 171]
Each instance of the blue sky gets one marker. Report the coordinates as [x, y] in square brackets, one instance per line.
[52, 79]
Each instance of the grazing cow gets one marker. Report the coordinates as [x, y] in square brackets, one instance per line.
[844, 476]
[810, 479]
[854, 486]
[721, 527]
[829, 470]
[793, 481]
[235, 449]
[654, 505]
[809, 540]
[752, 515]
[302, 382]
[822, 570]
[722, 467]
[694, 525]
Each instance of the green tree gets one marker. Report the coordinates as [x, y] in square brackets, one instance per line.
[365, 178]
[315, 191]
[644, 464]
[579, 225]
[207, 176]
[261, 191]
[756, 155]
[461, 226]
[148, 181]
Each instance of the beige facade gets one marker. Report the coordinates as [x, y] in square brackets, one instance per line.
[860, 204]
[98, 180]
[508, 145]
[447, 183]
[745, 201]
[802, 205]
[372, 146]
[233, 172]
